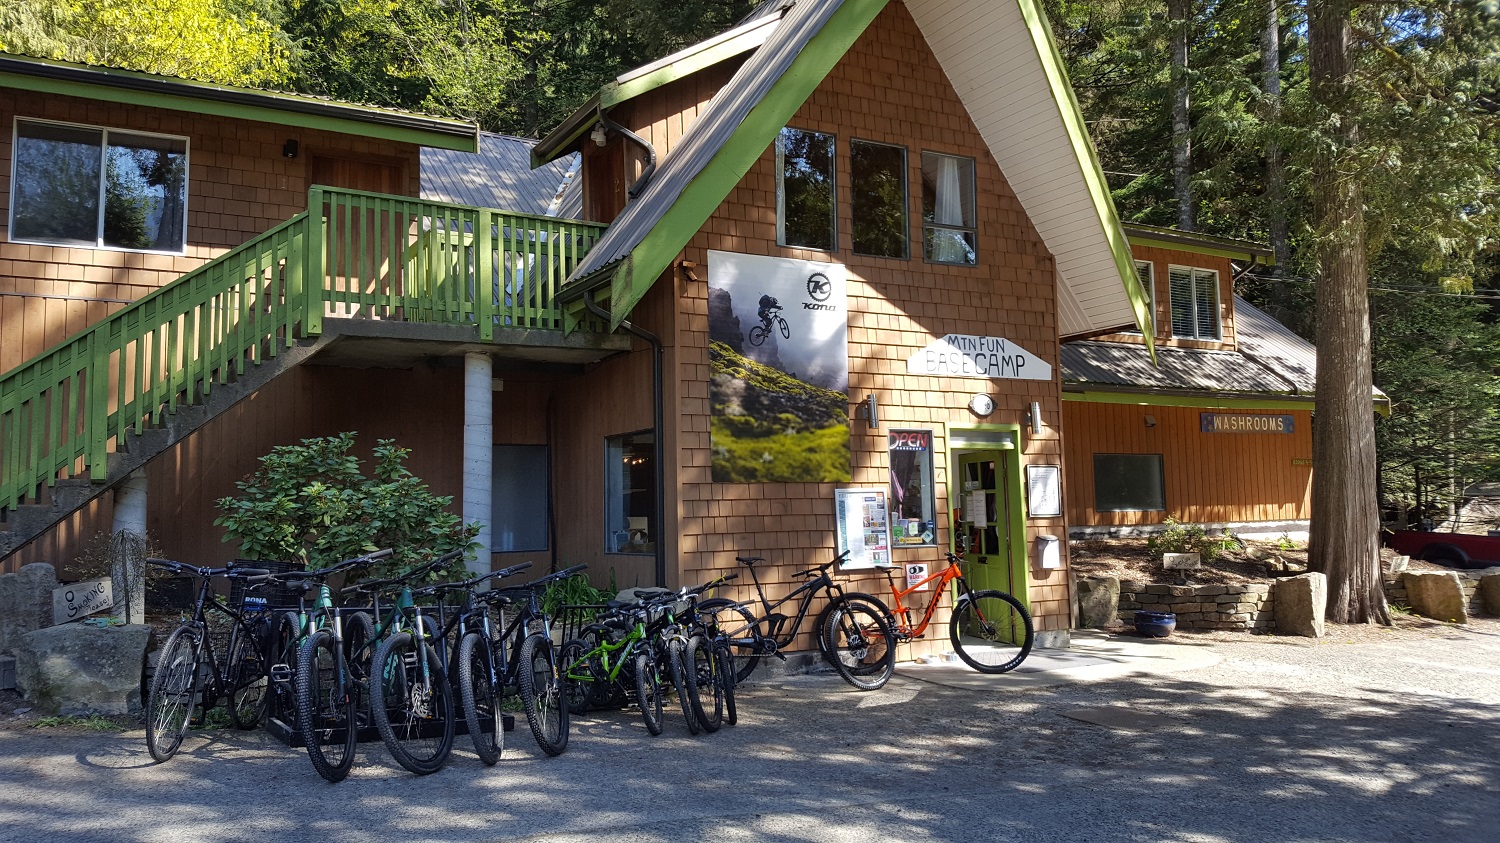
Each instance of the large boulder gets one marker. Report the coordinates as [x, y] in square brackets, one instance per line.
[1436, 594]
[1098, 602]
[1489, 593]
[81, 670]
[25, 603]
[1300, 603]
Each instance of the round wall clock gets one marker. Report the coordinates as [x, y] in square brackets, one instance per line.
[981, 405]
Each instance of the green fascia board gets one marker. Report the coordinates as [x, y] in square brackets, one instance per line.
[614, 93]
[1088, 163]
[190, 100]
[1213, 251]
[656, 251]
[557, 142]
[1071, 392]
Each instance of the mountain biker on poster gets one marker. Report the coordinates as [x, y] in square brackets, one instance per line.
[769, 312]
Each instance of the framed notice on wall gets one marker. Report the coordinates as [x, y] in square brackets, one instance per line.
[864, 528]
[1043, 491]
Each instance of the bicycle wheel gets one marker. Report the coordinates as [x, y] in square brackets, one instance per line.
[707, 694]
[648, 692]
[542, 696]
[860, 645]
[325, 712]
[739, 625]
[411, 703]
[758, 334]
[574, 665]
[680, 683]
[725, 655]
[991, 631]
[480, 700]
[359, 629]
[786, 330]
[169, 704]
[248, 674]
[285, 646]
[850, 597]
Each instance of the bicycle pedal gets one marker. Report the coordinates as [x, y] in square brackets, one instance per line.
[282, 674]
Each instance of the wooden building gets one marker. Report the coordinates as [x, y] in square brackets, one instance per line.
[834, 252]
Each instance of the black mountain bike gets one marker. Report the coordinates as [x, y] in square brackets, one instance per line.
[852, 631]
[774, 320]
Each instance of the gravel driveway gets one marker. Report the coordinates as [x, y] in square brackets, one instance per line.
[1367, 735]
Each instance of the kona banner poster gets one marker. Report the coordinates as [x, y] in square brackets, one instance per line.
[779, 369]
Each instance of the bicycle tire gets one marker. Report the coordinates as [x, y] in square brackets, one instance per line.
[247, 671]
[359, 630]
[677, 665]
[744, 625]
[703, 675]
[480, 701]
[860, 645]
[542, 696]
[409, 704]
[786, 330]
[285, 651]
[758, 334]
[170, 702]
[578, 691]
[604, 693]
[985, 629]
[325, 714]
[648, 693]
[725, 656]
[850, 596]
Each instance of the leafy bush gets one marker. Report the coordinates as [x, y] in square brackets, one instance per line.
[1190, 538]
[311, 502]
[573, 591]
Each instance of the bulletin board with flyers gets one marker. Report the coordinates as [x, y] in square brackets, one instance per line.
[864, 527]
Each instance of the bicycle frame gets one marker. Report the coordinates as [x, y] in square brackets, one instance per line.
[218, 680]
[902, 625]
[807, 591]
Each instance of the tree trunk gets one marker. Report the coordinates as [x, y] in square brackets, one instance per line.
[1270, 49]
[1345, 517]
[1181, 13]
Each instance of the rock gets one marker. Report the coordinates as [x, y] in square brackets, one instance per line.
[1437, 595]
[77, 670]
[1300, 604]
[1098, 602]
[25, 603]
[1489, 592]
[1259, 554]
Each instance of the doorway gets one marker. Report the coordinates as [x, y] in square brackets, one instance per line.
[984, 492]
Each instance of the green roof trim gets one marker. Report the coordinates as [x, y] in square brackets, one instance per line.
[1178, 246]
[711, 52]
[1205, 400]
[153, 91]
[632, 277]
[1088, 162]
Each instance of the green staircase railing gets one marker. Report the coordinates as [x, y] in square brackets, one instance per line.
[362, 255]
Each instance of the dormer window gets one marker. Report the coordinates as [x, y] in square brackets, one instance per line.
[1195, 302]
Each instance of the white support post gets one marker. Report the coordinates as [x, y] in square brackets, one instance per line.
[127, 546]
[479, 428]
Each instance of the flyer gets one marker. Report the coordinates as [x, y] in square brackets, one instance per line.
[863, 527]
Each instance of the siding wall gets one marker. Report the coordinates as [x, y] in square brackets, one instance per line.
[1209, 477]
[1161, 260]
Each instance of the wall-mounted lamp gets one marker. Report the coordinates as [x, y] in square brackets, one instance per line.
[598, 136]
[289, 149]
[870, 411]
[1151, 421]
[1036, 417]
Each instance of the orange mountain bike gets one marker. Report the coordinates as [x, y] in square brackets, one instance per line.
[990, 630]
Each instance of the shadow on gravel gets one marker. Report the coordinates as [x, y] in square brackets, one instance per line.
[814, 761]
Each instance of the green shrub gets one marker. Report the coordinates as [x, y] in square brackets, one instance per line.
[311, 502]
[1190, 538]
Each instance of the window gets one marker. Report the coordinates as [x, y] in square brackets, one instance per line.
[1128, 483]
[520, 498]
[948, 209]
[85, 186]
[1146, 272]
[1195, 302]
[804, 190]
[879, 199]
[630, 493]
[911, 499]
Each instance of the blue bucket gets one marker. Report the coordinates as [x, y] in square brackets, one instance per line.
[1155, 624]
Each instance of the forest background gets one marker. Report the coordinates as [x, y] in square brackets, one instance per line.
[1200, 109]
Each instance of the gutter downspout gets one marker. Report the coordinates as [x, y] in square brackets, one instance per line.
[639, 185]
[658, 430]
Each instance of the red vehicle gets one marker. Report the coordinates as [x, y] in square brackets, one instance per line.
[1455, 550]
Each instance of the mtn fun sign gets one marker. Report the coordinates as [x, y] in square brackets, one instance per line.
[1244, 423]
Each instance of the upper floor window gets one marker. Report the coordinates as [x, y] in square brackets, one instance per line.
[804, 190]
[1195, 302]
[94, 187]
[948, 213]
[878, 175]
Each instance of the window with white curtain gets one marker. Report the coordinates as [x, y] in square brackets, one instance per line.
[948, 209]
[1195, 302]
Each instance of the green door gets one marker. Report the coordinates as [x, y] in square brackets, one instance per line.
[985, 502]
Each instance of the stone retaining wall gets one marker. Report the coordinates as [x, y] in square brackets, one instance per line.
[1245, 606]
[1395, 590]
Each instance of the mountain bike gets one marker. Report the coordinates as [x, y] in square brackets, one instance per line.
[533, 667]
[189, 674]
[990, 630]
[621, 653]
[774, 320]
[853, 633]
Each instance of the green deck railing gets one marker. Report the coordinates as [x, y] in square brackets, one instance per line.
[361, 255]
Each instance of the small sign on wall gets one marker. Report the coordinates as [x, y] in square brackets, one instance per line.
[864, 528]
[1244, 423]
[1043, 491]
[81, 599]
[915, 573]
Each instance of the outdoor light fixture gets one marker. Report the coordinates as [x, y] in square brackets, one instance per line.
[1036, 417]
[598, 136]
[1151, 421]
[870, 411]
[289, 149]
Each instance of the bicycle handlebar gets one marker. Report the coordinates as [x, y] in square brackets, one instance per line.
[254, 575]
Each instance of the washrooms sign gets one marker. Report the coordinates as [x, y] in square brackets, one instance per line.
[969, 356]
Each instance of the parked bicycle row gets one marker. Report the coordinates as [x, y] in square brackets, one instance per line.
[417, 663]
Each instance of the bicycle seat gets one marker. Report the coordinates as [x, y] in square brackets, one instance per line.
[495, 598]
[749, 560]
[636, 596]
